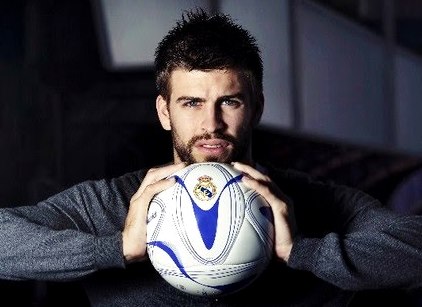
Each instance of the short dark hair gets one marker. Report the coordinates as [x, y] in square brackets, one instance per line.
[202, 42]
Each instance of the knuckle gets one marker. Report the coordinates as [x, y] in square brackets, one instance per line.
[266, 190]
[151, 170]
[149, 189]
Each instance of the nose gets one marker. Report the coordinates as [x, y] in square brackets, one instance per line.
[212, 120]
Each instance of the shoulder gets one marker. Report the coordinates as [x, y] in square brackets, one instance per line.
[304, 187]
[292, 177]
[120, 187]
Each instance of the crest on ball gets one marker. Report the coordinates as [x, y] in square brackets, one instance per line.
[205, 189]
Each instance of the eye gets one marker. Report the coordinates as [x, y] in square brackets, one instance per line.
[231, 102]
[191, 103]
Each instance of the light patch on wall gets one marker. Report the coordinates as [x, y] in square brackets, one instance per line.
[129, 30]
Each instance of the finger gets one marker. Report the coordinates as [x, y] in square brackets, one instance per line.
[152, 189]
[267, 190]
[279, 203]
[250, 171]
[155, 174]
[139, 206]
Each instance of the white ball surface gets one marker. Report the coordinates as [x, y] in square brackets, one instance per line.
[209, 234]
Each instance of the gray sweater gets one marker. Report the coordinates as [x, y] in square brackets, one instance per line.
[347, 242]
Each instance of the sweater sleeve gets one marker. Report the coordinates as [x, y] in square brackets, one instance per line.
[348, 239]
[69, 235]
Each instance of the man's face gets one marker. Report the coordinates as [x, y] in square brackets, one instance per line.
[210, 115]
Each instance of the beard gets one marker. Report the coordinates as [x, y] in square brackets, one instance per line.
[238, 153]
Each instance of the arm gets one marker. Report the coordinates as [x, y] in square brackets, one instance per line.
[348, 239]
[69, 235]
[340, 234]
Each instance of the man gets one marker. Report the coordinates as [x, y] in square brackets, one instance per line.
[329, 240]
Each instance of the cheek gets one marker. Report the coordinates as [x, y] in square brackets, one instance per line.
[239, 123]
[183, 128]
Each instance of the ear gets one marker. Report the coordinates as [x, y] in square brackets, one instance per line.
[163, 112]
[259, 109]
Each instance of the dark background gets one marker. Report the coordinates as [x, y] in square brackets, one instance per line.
[65, 119]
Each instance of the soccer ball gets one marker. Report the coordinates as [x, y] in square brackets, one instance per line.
[209, 234]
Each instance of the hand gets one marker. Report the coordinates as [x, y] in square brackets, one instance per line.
[284, 221]
[135, 229]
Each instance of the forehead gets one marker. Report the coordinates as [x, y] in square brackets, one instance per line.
[227, 81]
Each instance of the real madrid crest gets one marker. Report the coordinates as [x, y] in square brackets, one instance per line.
[205, 189]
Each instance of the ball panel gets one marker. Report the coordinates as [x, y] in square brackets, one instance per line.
[215, 279]
[209, 231]
[259, 214]
[248, 246]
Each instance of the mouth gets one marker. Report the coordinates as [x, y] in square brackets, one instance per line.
[213, 143]
[212, 146]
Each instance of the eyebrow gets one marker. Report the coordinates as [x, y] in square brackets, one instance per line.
[199, 99]
[239, 96]
[189, 98]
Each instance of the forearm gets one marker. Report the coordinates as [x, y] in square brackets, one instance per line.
[31, 251]
[69, 235]
[387, 256]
